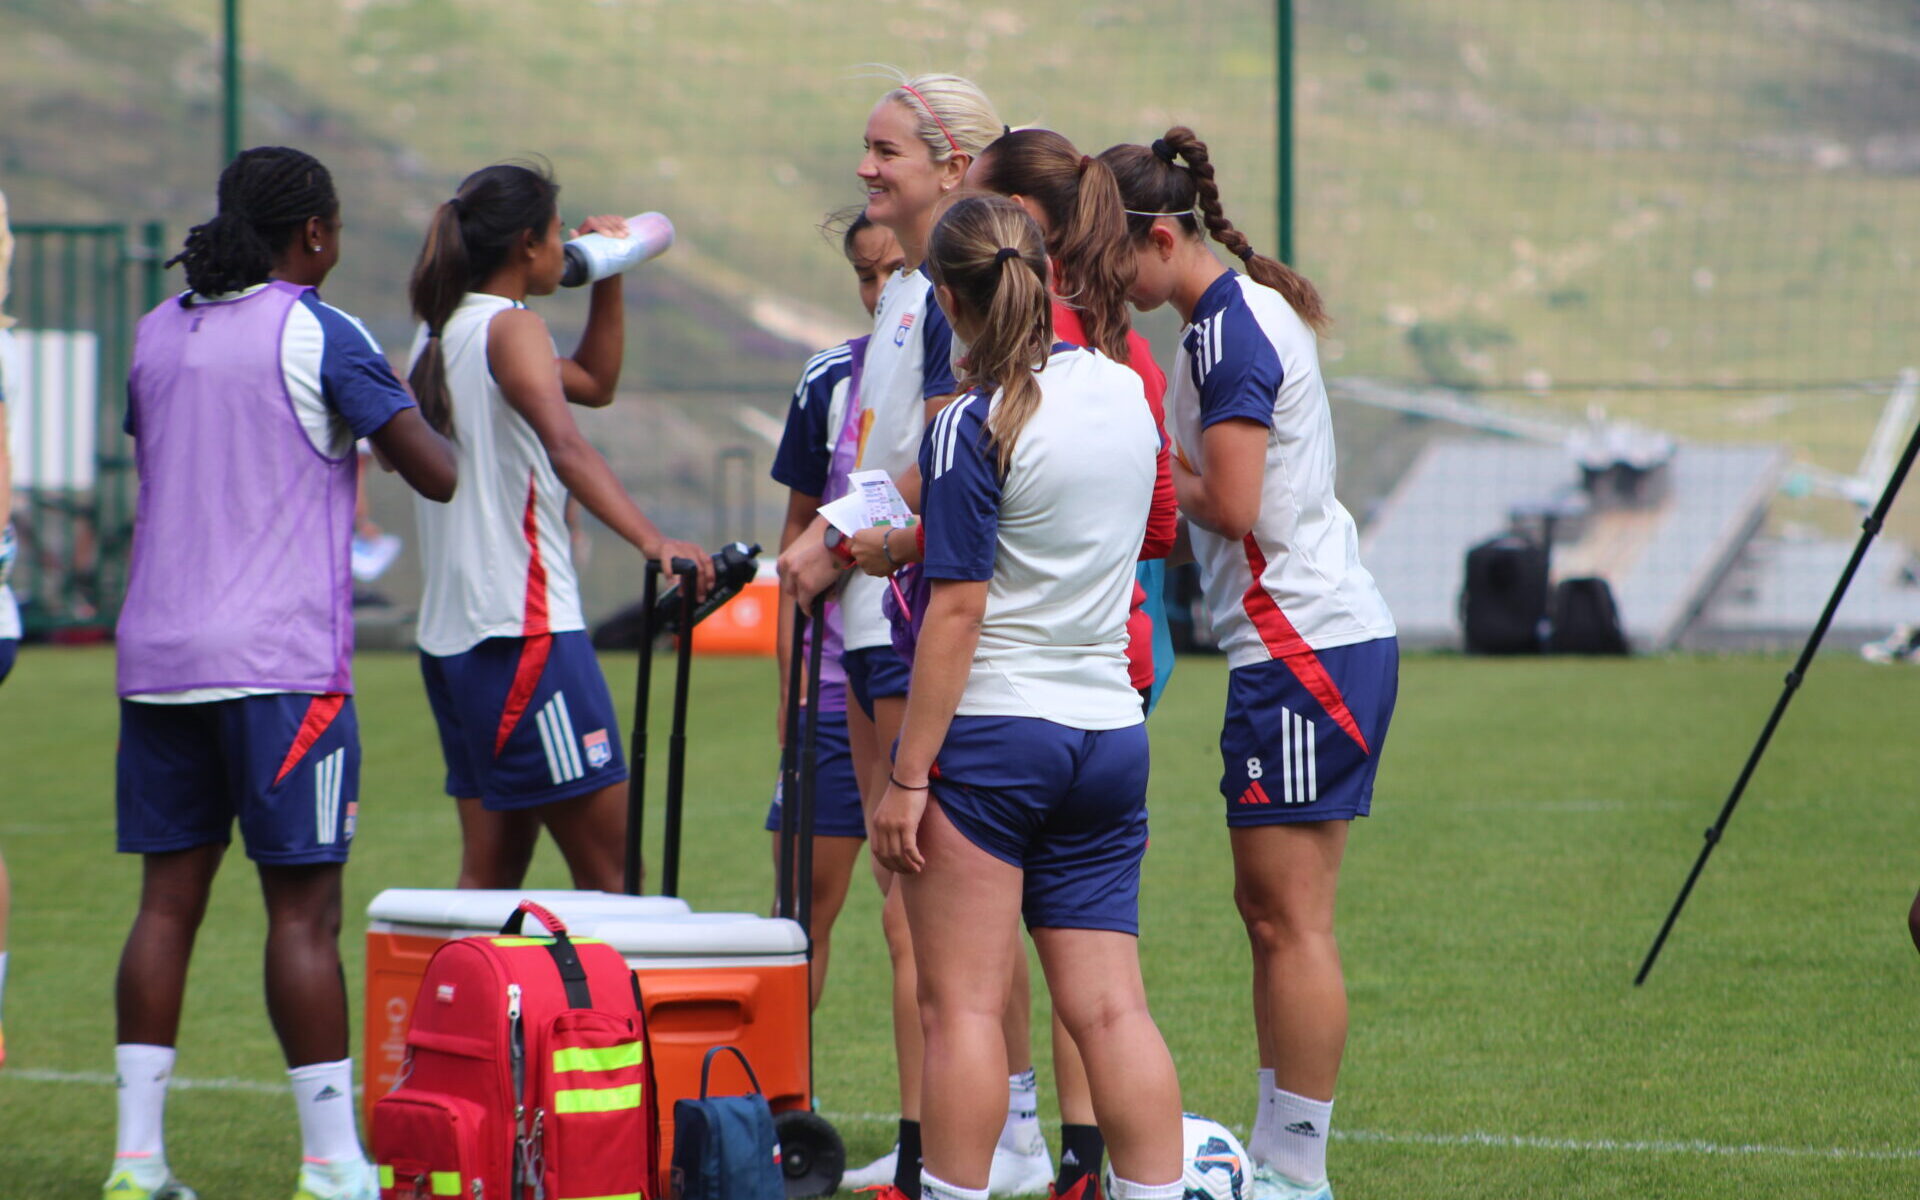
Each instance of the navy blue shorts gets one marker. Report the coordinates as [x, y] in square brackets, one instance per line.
[9, 650]
[288, 766]
[1067, 806]
[836, 790]
[524, 721]
[1303, 736]
[875, 674]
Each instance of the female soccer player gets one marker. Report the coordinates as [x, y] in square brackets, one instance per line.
[1310, 644]
[526, 723]
[921, 136]
[816, 452]
[1021, 719]
[236, 638]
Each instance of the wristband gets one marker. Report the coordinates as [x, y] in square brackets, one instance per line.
[906, 787]
[886, 548]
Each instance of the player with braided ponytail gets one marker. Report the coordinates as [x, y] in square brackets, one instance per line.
[1313, 660]
[1037, 484]
[236, 639]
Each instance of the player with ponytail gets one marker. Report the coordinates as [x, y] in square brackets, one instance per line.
[921, 136]
[1311, 649]
[244, 400]
[527, 725]
[1019, 783]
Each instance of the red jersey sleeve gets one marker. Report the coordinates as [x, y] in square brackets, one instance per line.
[1163, 519]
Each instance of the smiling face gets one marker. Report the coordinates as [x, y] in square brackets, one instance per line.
[902, 180]
[875, 255]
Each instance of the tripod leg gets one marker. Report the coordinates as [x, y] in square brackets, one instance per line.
[785, 902]
[637, 743]
[1869, 528]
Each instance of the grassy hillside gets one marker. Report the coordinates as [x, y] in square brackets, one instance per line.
[1501, 194]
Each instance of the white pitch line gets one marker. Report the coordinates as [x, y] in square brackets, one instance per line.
[1497, 1141]
[1504, 1141]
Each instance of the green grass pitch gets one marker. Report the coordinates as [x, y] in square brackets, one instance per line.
[1534, 819]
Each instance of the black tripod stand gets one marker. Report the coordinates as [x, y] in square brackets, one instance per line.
[1868, 529]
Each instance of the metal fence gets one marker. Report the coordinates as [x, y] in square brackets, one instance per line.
[78, 290]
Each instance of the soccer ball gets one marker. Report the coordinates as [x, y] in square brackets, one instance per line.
[1216, 1166]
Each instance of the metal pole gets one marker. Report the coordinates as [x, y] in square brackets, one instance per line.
[1868, 529]
[1283, 120]
[230, 78]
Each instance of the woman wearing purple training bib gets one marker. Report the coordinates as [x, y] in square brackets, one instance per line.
[244, 401]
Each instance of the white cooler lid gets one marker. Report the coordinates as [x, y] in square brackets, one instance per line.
[471, 908]
[701, 935]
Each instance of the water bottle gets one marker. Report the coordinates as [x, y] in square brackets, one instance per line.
[594, 256]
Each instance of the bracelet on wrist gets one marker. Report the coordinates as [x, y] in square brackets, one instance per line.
[905, 787]
[886, 548]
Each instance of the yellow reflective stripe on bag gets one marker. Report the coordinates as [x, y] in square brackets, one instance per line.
[386, 1178]
[596, 1100]
[446, 1183]
[511, 941]
[603, 1058]
[621, 1196]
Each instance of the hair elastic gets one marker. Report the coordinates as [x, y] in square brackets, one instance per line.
[433, 335]
[1006, 252]
[934, 115]
[1163, 151]
[904, 787]
[1245, 252]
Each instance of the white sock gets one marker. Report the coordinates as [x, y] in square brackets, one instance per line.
[1260, 1145]
[143, 1074]
[1127, 1189]
[1022, 1134]
[934, 1188]
[1300, 1129]
[323, 1092]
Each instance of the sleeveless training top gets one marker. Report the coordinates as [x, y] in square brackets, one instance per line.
[496, 557]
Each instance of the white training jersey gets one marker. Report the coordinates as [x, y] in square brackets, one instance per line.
[9, 614]
[1057, 535]
[496, 557]
[906, 365]
[1295, 582]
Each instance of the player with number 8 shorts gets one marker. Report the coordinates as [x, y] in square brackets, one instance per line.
[1311, 649]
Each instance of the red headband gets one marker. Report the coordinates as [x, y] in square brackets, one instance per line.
[935, 116]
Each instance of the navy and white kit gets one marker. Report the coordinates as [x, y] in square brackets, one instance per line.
[194, 759]
[908, 363]
[1045, 764]
[816, 419]
[524, 714]
[1310, 644]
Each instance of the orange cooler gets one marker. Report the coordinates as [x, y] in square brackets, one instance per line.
[706, 979]
[721, 979]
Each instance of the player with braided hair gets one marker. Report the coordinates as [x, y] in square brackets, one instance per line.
[235, 642]
[1312, 656]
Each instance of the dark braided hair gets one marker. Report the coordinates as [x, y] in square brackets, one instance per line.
[266, 194]
[468, 239]
[1154, 185]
